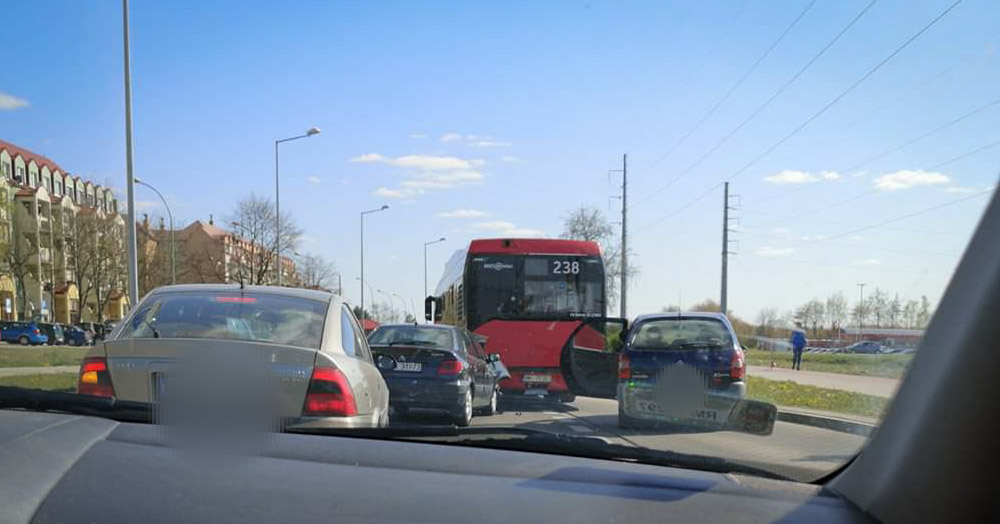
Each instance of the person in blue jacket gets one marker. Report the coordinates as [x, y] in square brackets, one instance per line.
[798, 344]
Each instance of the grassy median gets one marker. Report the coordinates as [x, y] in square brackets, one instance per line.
[888, 366]
[15, 356]
[51, 382]
[791, 394]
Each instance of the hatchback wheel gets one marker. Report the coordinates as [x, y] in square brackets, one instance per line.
[464, 416]
[491, 408]
[23, 340]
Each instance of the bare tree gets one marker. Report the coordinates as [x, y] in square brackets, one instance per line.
[79, 249]
[706, 305]
[923, 313]
[315, 272]
[836, 310]
[22, 252]
[811, 314]
[588, 223]
[254, 220]
[910, 312]
[767, 321]
[107, 274]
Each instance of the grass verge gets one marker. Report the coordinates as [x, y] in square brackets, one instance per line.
[791, 394]
[888, 366]
[51, 382]
[13, 356]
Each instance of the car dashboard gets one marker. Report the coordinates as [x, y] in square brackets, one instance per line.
[68, 468]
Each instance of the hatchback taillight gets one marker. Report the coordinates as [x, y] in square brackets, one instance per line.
[36, 332]
[624, 367]
[94, 378]
[737, 367]
[450, 367]
[329, 395]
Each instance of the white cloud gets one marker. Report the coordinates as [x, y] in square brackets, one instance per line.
[793, 177]
[961, 189]
[868, 262]
[773, 251]
[488, 143]
[464, 213]
[813, 238]
[906, 179]
[417, 135]
[510, 159]
[859, 174]
[314, 179]
[494, 225]
[10, 102]
[146, 205]
[474, 140]
[450, 137]
[856, 238]
[781, 231]
[421, 162]
[393, 193]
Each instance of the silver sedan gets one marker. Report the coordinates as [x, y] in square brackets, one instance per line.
[298, 356]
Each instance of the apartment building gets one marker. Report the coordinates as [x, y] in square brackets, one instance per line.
[41, 205]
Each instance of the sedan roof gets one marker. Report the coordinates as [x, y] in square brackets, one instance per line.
[313, 294]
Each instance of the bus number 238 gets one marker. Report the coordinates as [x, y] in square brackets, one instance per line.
[565, 267]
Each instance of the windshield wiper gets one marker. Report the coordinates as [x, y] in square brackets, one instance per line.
[540, 441]
[39, 400]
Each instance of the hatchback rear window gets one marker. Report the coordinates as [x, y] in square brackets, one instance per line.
[680, 333]
[259, 317]
[412, 336]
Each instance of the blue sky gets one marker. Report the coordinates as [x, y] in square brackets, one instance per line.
[516, 111]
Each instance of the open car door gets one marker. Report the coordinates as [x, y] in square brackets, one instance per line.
[590, 358]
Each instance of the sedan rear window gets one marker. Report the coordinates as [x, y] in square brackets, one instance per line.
[258, 317]
[412, 336]
[680, 333]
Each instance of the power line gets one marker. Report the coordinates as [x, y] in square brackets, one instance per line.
[845, 92]
[875, 190]
[766, 103]
[682, 208]
[734, 87]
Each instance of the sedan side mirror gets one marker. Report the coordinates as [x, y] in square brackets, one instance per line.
[493, 357]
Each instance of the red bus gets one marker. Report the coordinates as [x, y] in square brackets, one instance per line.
[527, 297]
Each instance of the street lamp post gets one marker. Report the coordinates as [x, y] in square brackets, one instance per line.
[277, 203]
[425, 261]
[363, 213]
[173, 245]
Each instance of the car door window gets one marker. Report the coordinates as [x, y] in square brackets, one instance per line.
[359, 343]
[347, 338]
[474, 348]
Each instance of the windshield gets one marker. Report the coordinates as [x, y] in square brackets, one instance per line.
[233, 316]
[579, 185]
[413, 336]
[533, 286]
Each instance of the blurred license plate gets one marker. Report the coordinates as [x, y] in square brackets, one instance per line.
[538, 379]
[409, 366]
[706, 414]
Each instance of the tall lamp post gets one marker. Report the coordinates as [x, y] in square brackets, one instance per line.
[363, 213]
[173, 245]
[277, 201]
[425, 261]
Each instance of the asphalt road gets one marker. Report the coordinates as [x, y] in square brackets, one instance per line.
[792, 450]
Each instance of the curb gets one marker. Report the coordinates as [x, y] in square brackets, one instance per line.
[836, 424]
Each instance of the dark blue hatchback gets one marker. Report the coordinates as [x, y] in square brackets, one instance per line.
[433, 367]
[678, 366]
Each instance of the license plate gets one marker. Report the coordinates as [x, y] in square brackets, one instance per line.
[409, 366]
[538, 379]
[705, 414]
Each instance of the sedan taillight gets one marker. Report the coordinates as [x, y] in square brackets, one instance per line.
[329, 395]
[95, 378]
[450, 367]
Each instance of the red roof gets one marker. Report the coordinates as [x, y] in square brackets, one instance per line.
[537, 246]
[29, 156]
[27, 191]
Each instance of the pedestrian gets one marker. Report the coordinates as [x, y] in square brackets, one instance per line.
[798, 344]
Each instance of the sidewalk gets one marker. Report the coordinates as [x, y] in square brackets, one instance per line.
[878, 386]
[41, 370]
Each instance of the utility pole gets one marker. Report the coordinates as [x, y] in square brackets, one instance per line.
[861, 311]
[133, 260]
[624, 248]
[723, 300]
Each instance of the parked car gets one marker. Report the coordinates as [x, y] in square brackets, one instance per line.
[96, 329]
[865, 347]
[77, 337]
[54, 332]
[24, 333]
[306, 345]
[437, 367]
[669, 363]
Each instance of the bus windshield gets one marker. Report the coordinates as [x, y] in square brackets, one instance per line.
[534, 287]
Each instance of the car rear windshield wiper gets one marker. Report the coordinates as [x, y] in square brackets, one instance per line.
[39, 400]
